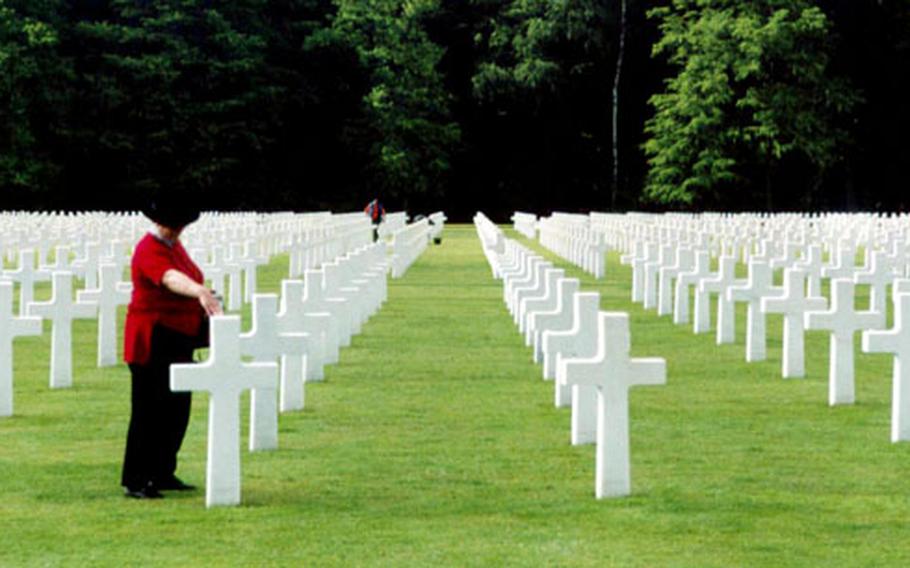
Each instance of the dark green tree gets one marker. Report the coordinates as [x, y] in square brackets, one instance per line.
[407, 125]
[175, 93]
[32, 100]
[753, 87]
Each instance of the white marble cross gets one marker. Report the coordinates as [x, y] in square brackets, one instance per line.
[878, 276]
[843, 321]
[685, 260]
[11, 327]
[87, 266]
[233, 269]
[636, 261]
[612, 372]
[897, 341]
[249, 262]
[583, 308]
[215, 269]
[760, 284]
[812, 264]
[26, 276]
[544, 301]
[265, 344]
[701, 271]
[61, 260]
[843, 263]
[62, 310]
[718, 283]
[224, 376]
[793, 303]
[293, 318]
[331, 312]
[652, 269]
[558, 319]
[110, 294]
[579, 341]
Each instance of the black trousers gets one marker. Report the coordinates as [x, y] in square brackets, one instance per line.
[159, 417]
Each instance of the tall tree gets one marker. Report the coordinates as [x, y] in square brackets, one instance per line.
[175, 87]
[547, 73]
[408, 127]
[32, 103]
[753, 87]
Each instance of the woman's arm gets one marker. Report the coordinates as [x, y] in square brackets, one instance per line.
[179, 283]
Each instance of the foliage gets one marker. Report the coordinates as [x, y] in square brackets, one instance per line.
[753, 87]
[176, 91]
[430, 104]
[31, 100]
[410, 132]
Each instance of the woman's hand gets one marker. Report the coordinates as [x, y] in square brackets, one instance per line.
[209, 302]
[179, 283]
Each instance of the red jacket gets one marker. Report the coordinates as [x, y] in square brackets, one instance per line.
[153, 304]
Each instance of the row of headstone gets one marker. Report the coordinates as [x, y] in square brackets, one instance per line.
[525, 223]
[407, 244]
[392, 223]
[570, 237]
[292, 339]
[584, 349]
[230, 267]
[671, 257]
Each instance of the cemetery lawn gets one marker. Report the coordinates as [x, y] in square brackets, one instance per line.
[435, 442]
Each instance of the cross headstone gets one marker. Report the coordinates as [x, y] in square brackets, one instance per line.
[843, 265]
[559, 319]
[897, 341]
[812, 264]
[11, 327]
[651, 272]
[843, 321]
[545, 300]
[26, 276]
[62, 310]
[793, 303]
[87, 266]
[684, 262]
[224, 376]
[315, 303]
[718, 284]
[61, 260]
[106, 297]
[760, 284]
[636, 261]
[613, 373]
[264, 343]
[701, 271]
[232, 269]
[579, 342]
[878, 276]
[293, 318]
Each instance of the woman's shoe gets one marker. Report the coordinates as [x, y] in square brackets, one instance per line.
[147, 492]
[173, 483]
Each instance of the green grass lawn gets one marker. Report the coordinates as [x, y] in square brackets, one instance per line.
[435, 442]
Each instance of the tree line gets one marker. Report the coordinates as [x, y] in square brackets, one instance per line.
[456, 104]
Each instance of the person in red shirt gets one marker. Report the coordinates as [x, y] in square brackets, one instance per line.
[165, 321]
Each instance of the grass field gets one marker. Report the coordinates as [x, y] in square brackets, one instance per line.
[435, 442]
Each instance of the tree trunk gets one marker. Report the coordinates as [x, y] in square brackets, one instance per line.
[616, 79]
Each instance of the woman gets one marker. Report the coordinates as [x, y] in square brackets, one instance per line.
[166, 320]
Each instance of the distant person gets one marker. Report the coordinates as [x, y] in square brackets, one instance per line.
[376, 212]
[165, 321]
